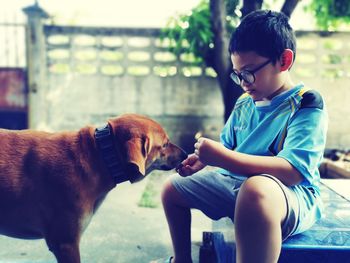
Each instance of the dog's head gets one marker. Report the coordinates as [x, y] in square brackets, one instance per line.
[145, 144]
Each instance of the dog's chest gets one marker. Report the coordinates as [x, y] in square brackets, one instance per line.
[86, 218]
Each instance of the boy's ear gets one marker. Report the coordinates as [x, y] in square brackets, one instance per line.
[286, 59]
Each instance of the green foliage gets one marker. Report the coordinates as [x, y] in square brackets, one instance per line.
[330, 14]
[151, 195]
[148, 197]
[192, 33]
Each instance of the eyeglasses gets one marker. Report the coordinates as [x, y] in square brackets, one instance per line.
[247, 75]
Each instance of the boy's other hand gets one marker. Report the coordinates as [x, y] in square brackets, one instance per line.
[191, 165]
[209, 151]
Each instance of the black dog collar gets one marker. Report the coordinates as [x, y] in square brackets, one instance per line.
[105, 144]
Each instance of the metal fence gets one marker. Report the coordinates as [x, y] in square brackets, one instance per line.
[13, 89]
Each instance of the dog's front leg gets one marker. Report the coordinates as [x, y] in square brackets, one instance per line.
[66, 253]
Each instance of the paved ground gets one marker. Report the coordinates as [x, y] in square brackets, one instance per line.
[120, 232]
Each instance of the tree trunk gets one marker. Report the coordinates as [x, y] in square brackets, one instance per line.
[250, 6]
[230, 93]
[289, 6]
[222, 64]
[221, 57]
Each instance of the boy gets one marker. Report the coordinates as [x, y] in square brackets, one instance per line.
[270, 150]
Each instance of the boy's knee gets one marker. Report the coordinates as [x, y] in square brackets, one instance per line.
[171, 196]
[254, 195]
[169, 193]
[167, 190]
[255, 188]
[260, 197]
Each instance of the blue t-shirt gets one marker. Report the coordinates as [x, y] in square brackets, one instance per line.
[293, 126]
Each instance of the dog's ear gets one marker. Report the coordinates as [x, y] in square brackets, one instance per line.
[136, 151]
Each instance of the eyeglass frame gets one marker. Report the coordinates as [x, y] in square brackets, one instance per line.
[234, 74]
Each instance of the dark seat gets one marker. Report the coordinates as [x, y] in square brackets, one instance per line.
[328, 241]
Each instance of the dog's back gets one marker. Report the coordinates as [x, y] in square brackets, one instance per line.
[35, 169]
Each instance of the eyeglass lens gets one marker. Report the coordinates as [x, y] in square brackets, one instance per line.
[247, 75]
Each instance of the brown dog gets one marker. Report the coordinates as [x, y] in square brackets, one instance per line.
[52, 183]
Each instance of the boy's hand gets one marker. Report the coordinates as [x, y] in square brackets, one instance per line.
[190, 165]
[208, 151]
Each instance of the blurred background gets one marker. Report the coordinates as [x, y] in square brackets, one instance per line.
[65, 64]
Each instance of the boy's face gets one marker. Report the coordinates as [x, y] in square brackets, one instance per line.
[269, 80]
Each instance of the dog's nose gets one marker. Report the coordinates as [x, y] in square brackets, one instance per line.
[183, 154]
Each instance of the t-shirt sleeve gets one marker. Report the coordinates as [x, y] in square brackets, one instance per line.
[305, 141]
[227, 136]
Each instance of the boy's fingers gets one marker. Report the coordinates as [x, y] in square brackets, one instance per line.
[189, 161]
[201, 139]
[184, 163]
[185, 170]
[179, 167]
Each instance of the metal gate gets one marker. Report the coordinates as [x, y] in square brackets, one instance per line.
[13, 75]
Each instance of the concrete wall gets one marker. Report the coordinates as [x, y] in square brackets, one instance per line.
[95, 73]
[323, 63]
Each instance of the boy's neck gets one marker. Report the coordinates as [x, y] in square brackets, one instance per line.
[279, 91]
[287, 85]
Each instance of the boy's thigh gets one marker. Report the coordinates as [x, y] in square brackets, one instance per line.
[209, 191]
[303, 208]
[215, 195]
[289, 199]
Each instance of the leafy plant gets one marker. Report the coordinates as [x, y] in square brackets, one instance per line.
[192, 32]
[151, 195]
[330, 14]
[148, 198]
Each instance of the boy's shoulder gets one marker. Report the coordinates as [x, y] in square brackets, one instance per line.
[243, 99]
[311, 99]
[308, 98]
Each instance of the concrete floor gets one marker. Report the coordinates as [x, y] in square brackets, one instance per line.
[120, 232]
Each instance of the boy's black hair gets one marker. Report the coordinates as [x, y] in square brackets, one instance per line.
[265, 32]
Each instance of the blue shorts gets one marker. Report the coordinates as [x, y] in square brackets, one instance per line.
[215, 195]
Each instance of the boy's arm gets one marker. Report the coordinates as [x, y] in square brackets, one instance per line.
[214, 153]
